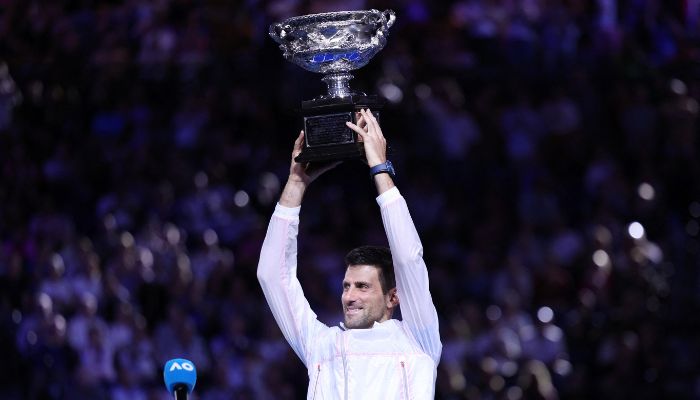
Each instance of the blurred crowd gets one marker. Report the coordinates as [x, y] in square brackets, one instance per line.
[548, 151]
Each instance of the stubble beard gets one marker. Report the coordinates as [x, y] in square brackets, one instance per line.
[363, 321]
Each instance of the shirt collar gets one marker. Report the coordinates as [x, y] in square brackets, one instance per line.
[375, 325]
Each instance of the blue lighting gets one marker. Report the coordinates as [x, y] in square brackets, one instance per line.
[329, 57]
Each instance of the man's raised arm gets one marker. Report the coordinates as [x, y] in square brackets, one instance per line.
[278, 261]
[417, 308]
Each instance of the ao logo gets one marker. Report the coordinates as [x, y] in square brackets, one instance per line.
[186, 366]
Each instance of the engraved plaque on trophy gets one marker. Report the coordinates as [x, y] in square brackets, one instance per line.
[334, 44]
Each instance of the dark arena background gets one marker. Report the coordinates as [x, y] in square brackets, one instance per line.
[548, 151]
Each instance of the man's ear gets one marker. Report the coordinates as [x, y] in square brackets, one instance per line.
[393, 299]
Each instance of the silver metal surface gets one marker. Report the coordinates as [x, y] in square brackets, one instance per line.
[333, 43]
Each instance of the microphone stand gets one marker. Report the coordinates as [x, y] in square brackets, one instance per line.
[180, 392]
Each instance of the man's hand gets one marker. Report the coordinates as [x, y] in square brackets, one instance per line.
[301, 175]
[306, 172]
[375, 146]
[370, 132]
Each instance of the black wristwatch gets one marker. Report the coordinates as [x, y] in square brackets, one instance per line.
[385, 167]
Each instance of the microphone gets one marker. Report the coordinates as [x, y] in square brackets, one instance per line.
[180, 375]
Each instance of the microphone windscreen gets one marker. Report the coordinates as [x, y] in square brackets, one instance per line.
[179, 371]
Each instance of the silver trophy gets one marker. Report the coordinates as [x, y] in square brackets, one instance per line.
[334, 44]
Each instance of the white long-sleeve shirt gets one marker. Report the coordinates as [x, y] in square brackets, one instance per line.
[393, 359]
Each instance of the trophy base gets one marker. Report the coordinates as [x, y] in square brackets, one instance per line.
[326, 137]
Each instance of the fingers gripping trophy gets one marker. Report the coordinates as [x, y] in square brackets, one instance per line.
[334, 44]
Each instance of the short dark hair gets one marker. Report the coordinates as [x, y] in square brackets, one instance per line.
[378, 257]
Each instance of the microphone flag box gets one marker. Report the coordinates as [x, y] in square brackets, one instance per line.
[179, 371]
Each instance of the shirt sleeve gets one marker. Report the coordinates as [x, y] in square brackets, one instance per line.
[277, 274]
[417, 308]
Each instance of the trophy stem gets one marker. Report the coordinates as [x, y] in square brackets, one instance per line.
[338, 84]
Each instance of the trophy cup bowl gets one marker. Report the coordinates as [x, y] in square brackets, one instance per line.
[334, 44]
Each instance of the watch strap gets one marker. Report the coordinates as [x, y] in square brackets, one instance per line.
[385, 167]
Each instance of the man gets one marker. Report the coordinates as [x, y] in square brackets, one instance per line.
[371, 356]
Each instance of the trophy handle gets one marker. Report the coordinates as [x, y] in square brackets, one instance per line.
[278, 32]
[390, 17]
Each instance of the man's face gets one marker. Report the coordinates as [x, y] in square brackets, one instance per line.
[363, 299]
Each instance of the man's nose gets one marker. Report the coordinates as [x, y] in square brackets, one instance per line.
[349, 295]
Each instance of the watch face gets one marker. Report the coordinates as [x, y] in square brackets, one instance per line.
[390, 168]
